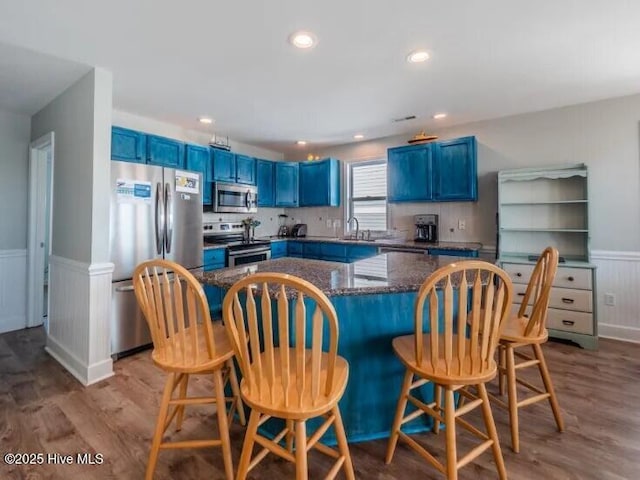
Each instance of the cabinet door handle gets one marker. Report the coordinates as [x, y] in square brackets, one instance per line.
[567, 300]
[521, 294]
[570, 279]
[568, 322]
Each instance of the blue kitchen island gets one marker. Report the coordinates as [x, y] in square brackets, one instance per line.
[374, 299]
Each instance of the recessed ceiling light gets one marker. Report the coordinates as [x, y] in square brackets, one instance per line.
[301, 142]
[358, 136]
[418, 56]
[303, 39]
[439, 115]
[206, 120]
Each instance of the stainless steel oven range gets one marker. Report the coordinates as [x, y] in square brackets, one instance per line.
[239, 251]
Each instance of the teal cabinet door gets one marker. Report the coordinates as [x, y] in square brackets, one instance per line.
[311, 250]
[409, 172]
[214, 258]
[334, 252]
[266, 183]
[128, 145]
[320, 183]
[165, 152]
[197, 160]
[278, 249]
[286, 184]
[224, 166]
[294, 249]
[245, 170]
[455, 170]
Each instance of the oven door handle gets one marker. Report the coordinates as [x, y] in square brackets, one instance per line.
[252, 250]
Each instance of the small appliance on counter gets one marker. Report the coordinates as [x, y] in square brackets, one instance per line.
[299, 230]
[283, 229]
[426, 228]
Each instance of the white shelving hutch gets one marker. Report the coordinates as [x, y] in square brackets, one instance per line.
[540, 207]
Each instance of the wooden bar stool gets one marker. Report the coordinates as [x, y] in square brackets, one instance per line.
[453, 355]
[281, 377]
[528, 328]
[185, 342]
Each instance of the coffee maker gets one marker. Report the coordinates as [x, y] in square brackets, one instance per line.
[426, 228]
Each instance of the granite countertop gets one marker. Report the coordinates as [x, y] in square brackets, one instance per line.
[466, 246]
[391, 272]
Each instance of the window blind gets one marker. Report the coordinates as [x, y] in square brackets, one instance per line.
[369, 195]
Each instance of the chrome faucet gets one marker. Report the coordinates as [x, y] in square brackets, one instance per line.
[357, 225]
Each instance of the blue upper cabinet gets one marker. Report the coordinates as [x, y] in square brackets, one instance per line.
[197, 159]
[233, 168]
[433, 172]
[165, 152]
[224, 165]
[266, 183]
[455, 170]
[245, 169]
[320, 183]
[286, 184]
[409, 171]
[128, 145]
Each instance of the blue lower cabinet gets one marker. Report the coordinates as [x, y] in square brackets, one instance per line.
[311, 250]
[128, 145]
[358, 252]
[294, 249]
[333, 252]
[278, 249]
[214, 258]
[165, 152]
[454, 253]
[214, 298]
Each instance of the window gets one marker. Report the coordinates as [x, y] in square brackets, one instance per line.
[368, 195]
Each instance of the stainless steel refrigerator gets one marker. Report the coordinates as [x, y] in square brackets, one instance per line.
[156, 212]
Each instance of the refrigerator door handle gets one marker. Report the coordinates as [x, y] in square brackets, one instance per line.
[159, 220]
[168, 206]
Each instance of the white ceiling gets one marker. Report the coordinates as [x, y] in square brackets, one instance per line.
[174, 61]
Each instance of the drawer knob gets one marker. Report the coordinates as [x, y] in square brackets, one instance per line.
[568, 322]
[570, 279]
[567, 300]
[518, 274]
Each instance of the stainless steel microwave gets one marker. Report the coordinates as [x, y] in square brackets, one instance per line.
[234, 198]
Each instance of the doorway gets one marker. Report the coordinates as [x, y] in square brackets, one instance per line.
[41, 161]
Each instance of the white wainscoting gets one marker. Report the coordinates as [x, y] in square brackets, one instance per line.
[618, 273]
[13, 290]
[80, 299]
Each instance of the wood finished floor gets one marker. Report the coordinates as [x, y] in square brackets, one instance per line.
[43, 409]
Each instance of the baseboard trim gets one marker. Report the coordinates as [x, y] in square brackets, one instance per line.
[12, 323]
[99, 371]
[617, 332]
[68, 360]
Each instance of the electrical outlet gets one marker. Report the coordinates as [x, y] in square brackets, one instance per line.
[462, 224]
[610, 299]
[337, 223]
[329, 223]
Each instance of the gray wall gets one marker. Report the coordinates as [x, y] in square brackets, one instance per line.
[77, 175]
[14, 173]
[604, 135]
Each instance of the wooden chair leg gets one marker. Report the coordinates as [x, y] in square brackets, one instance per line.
[397, 421]
[223, 425]
[235, 389]
[162, 418]
[247, 447]
[548, 385]
[502, 364]
[437, 391]
[491, 431]
[301, 450]
[290, 434]
[513, 398]
[343, 446]
[184, 384]
[450, 431]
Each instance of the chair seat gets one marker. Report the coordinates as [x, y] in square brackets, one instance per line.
[172, 358]
[514, 329]
[471, 372]
[295, 409]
